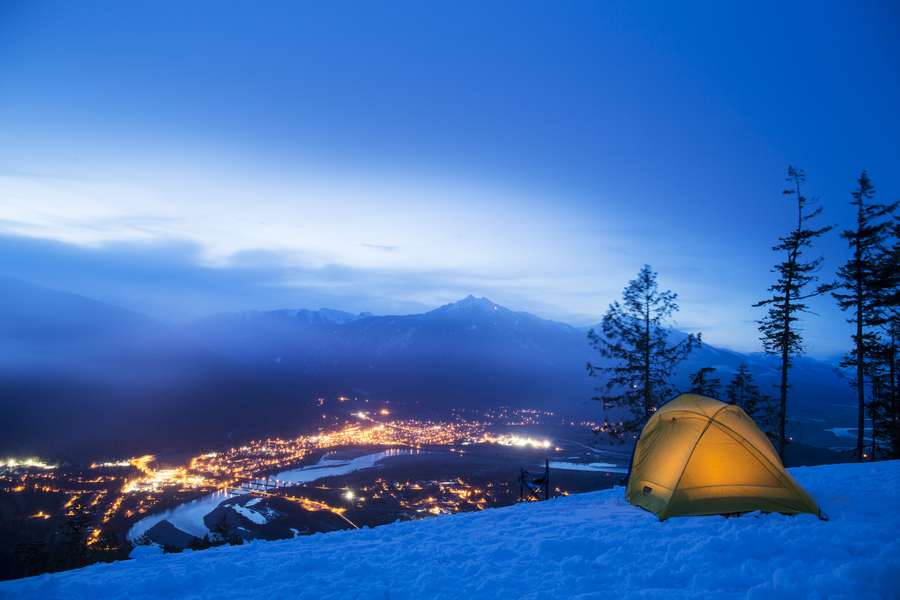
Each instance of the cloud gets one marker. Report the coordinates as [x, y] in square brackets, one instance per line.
[200, 244]
[171, 274]
[321, 221]
[307, 233]
[380, 247]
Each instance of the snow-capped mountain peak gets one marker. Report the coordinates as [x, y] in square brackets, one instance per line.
[469, 304]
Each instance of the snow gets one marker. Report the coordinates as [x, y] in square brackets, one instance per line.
[600, 467]
[149, 550]
[844, 432]
[586, 546]
[250, 514]
[189, 517]
[328, 466]
[186, 517]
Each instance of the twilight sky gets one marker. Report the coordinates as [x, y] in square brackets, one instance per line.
[190, 158]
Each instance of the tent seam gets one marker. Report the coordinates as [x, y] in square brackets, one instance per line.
[756, 454]
[767, 464]
[688, 461]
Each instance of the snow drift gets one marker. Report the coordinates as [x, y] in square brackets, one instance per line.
[586, 546]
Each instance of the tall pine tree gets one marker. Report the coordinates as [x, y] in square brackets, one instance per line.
[884, 407]
[780, 334]
[862, 289]
[743, 392]
[703, 382]
[640, 360]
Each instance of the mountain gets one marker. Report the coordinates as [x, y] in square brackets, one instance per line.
[472, 353]
[81, 378]
[475, 353]
[583, 546]
[84, 379]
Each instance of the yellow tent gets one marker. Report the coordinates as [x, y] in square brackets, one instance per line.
[700, 456]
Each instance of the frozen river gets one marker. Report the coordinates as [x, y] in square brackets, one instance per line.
[329, 465]
[188, 517]
[598, 467]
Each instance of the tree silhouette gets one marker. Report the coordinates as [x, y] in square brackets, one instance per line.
[862, 288]
[702, 382]
[223, 533]
[635, 342]
[742, 392]
[780, 334]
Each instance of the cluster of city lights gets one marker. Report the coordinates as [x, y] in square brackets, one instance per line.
[153, 480]
[223, 468]
[514, 440]
[13, 463]
[237, 466]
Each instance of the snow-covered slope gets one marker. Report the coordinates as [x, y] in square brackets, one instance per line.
[586, 546]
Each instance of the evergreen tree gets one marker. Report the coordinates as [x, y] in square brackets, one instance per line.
[145, 539]
[74, 532]
[223, 533]
[35, 557]
[108, 548]
[884, 407]
[170, 548]
[742, 392]
[862, 287]
[641, 361]
[702, 382]
[780, 334]
[197, 543]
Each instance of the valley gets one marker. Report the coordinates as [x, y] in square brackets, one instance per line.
[381, 468]
[270, 425]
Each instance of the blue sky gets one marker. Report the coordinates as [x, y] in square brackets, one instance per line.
[197, 157]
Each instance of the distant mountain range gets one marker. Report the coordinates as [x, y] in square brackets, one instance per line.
[81, 377]
[84, 379]
[474, 353]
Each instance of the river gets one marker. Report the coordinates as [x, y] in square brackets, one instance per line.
[188, 517]
[600, 466]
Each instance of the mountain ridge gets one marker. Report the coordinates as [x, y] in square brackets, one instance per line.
[80, 378]
[498, 356]
[64, 358]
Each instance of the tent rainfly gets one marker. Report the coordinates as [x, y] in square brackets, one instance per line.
[700, 456]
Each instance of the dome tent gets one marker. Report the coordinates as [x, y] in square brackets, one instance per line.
[700, 456]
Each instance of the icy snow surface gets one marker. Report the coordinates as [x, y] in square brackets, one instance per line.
[585, 546]
[250, 514]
